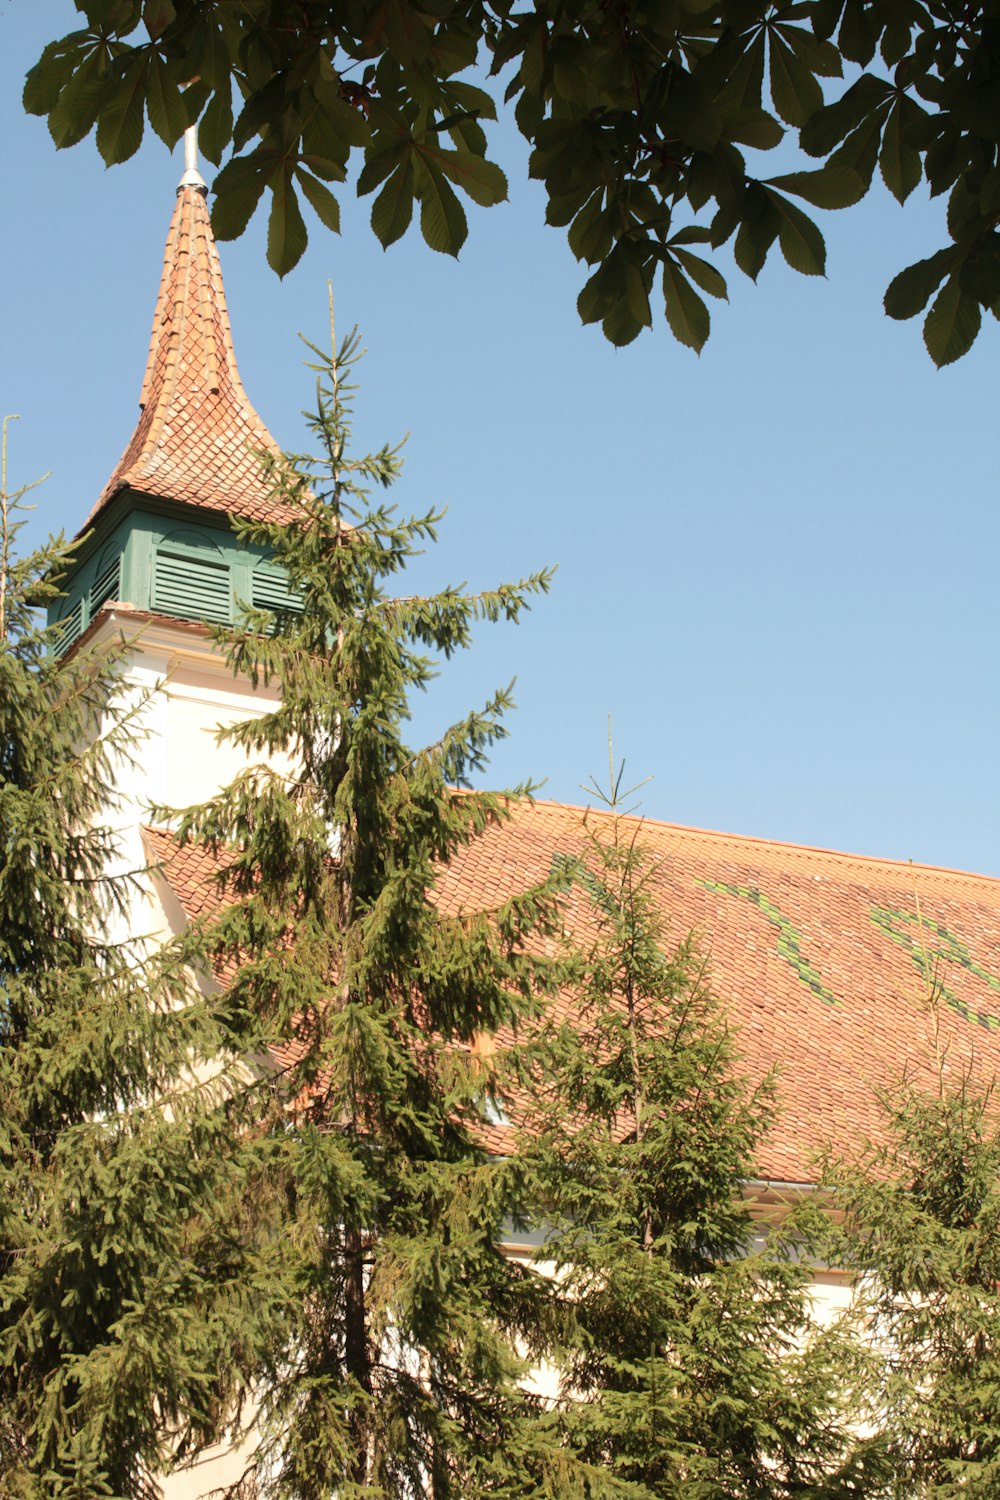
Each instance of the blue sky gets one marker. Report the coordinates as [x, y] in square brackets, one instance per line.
[777, 564]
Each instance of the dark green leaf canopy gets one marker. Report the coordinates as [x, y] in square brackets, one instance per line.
[639, 115]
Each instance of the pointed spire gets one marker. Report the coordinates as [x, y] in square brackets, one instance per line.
[192, 176]
[197, 435]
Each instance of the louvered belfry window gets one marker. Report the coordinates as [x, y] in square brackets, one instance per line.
[190, 586]
[270, 589]
[68, 628]
[107, 583]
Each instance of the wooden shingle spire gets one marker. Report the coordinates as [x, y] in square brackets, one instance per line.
[198, 436]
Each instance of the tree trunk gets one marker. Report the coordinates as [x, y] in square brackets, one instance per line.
[356, 1355]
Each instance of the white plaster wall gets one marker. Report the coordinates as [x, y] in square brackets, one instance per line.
[218, 1467]
[197, 707]
[189, 695]
[831, 1297]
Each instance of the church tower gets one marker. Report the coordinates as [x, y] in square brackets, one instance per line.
[161, 541]
[160, 561]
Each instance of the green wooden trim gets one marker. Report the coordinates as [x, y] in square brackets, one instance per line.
[168, 559]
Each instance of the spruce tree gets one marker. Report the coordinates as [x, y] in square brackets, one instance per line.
[693, 1368]
[109, 1167]
[389, 1327]
[920, 1230]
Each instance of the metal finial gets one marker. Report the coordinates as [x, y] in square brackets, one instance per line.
[192, 177]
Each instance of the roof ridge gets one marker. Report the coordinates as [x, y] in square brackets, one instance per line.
[721, 835]
[198, 438]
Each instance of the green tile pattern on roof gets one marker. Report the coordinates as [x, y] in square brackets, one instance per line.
[928, 958]
[850, 919]
[790, 940]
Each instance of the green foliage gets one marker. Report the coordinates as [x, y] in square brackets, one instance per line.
[692, 1367]
[921, 1232]
[112, 1276]
[387, 1319]
[638, 116]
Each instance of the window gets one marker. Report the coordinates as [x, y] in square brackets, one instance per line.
[191, 580]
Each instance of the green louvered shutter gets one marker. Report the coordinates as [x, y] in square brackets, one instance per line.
[68, 628]
[107, 584]
[270, 589]
[193, 588]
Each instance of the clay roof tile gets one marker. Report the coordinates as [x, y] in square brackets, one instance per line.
[818, 956]
[198, 438]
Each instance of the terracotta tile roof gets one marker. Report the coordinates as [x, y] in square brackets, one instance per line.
[816, 954]
[197, 433]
